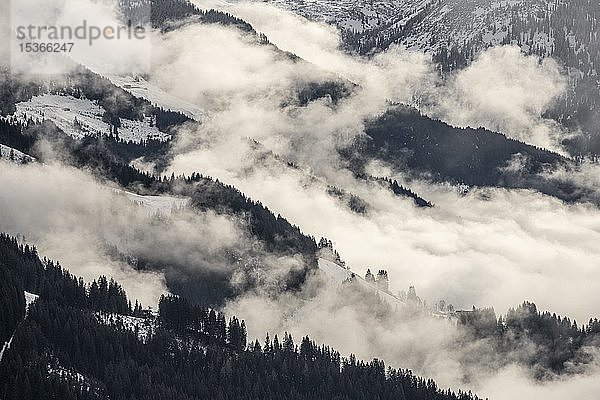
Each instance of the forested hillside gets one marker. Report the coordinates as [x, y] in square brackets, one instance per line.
[204, 185]
[455, 32]
[567, 31]
[108, 159]
[62, 349]
[558, 344]
[410, 141]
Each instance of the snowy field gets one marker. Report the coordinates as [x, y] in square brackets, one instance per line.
[83, 117]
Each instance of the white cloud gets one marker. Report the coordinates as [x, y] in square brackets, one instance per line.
[488, 248]
[505, 91]
[115, 52]
[71, 218]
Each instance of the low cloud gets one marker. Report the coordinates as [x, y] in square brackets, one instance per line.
[81, 23]
[88, 227]
[513, 383]
[355, 323]
[505, 91]
[490, 247]
[487, 248]
[502, 90]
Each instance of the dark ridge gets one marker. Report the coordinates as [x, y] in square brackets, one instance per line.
[401, 191]
[21, 264]
[276, 231]
[164, 11]
[410, 141]
[335, 90]
[349, 200]
[16, 88]
[181, 11]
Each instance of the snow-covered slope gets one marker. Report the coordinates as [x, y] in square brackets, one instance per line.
[335, 274]
[141, 88]
[154, 204]
[420, 24]
[81, 117]
[356, 15]
[459, 21]
[14, 155]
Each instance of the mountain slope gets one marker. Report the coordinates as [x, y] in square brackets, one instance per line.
[454, 32]
[62, 350]
[409, 141]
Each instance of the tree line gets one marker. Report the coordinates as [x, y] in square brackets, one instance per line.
[61, 350]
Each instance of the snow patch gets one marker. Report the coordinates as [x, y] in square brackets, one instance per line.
[157, 204]
[29, 299]
[73, 377]
[144, 328]
[66, 374]
[6, 346]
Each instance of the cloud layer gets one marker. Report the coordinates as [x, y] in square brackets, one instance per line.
[507, 92]
[488, 248]
[73, 219]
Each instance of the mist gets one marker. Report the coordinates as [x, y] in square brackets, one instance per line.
[503, 90]
[118, 54]
[489, 247]
[93, 229]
